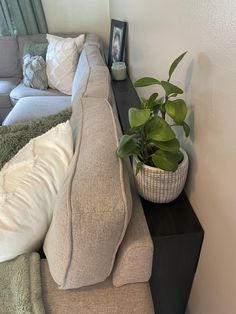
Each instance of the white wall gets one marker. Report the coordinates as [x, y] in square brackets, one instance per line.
[159, 30]
[78, 15]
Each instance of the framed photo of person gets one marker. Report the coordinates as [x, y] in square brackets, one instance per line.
[117, 42]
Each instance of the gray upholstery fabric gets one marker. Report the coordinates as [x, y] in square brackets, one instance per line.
[9, 57]
[94, 205]
[4, 112]
[102, 298]
[99, 83]
[6, 85]
[134, 259]
[34, 72]
[30, 108]
[23, 91]
[93, 39]
[92, 79]
[89, 57]
[93, 53]
[81, 76]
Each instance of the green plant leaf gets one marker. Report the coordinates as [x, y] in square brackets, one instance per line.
[175, 63]
[176, 109]
[170, 88]
[169, 146]
[186, 129]
[153, 97]
[166, 160]
[146, 81]
[133, 130]
[159, 130]
[138, 117]
[127, 146]
[151, 102]
[156, 107]
[138, 167]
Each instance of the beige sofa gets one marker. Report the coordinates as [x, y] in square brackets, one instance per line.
[98, 247]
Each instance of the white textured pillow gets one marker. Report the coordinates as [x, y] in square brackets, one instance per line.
[62, 58]
[29, 183]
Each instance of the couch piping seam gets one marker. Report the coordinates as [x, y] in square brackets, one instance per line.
[70, 196]
[125, 205]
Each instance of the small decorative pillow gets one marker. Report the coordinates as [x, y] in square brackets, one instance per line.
[34, 72]
[35, 49]
[62, 58]
[29, 183]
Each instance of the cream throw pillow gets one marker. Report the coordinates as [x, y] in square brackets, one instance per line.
[29, 183]
[62, 58]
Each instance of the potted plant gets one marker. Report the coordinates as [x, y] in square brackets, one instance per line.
[159, 164]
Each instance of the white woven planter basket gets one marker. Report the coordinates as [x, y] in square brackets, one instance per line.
[160, 186]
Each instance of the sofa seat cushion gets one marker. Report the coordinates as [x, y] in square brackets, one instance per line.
[6, 86]
[5, 110]
[102, 298]
[94, 205]
[30, 108]
[21, 91]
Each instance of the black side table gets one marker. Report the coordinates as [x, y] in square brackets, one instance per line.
[175, 230]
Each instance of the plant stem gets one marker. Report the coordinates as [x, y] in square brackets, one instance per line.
[163, 111]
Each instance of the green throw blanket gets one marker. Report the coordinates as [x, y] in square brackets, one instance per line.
[14, 137]
[20, 285]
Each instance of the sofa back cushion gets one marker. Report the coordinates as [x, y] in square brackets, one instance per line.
[94, 205]
[36, 38]
[135, 256]
[90, 57]
[35, 49]
[9, 57]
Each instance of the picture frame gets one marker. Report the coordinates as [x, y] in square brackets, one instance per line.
[117, 42]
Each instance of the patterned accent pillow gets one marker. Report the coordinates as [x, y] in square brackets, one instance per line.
[35, 49]
[62, 59]
[34, 72]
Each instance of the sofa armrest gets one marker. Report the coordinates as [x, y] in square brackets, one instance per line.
[134, 259]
